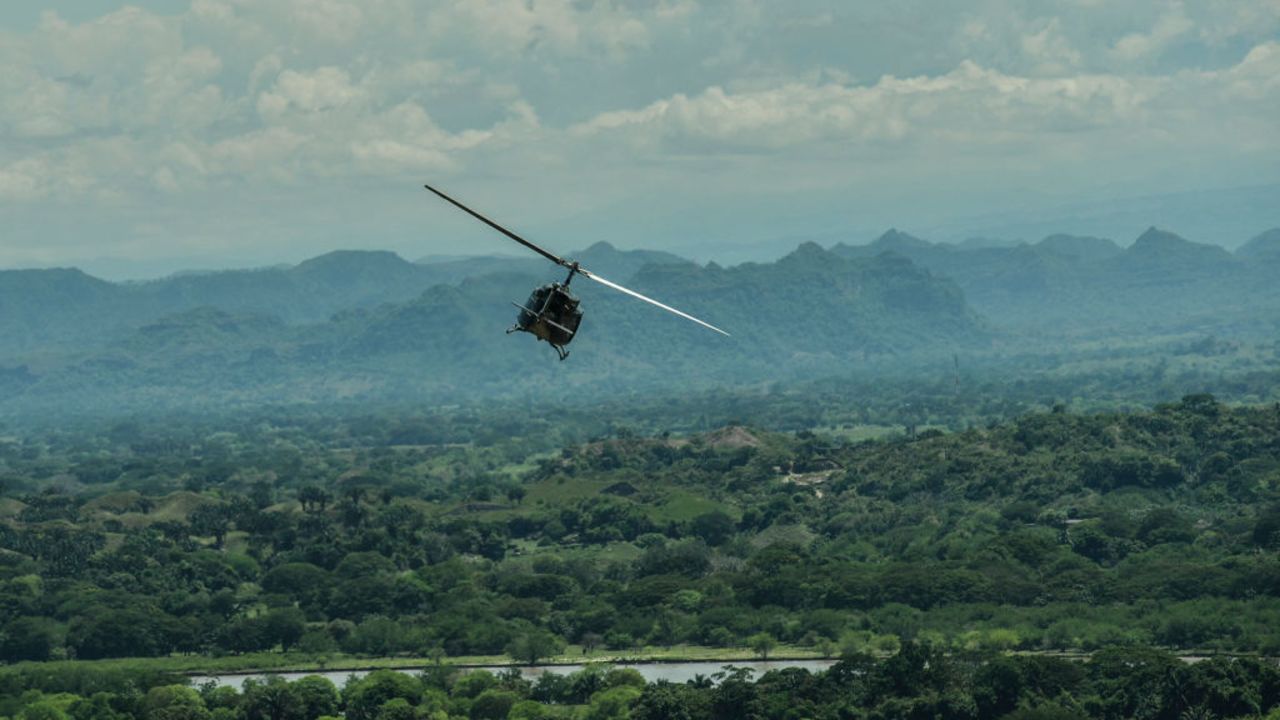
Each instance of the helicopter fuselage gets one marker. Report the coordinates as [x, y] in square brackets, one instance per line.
[551, 313]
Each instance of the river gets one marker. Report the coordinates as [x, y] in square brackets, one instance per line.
[676, 672]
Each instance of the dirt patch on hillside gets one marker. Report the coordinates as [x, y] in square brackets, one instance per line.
[732, 438]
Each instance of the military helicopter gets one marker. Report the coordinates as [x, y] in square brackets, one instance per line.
[552, 313]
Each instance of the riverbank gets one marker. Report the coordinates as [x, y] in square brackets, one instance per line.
[294, 662]
[256, 664]
[353, 664]
[666, 671]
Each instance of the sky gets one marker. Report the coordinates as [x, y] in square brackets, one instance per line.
[139, 139]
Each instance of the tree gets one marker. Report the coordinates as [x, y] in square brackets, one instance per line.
[271, 699]
[48, 708]
[762, 644]
[528, 710]
[515, 494]
[364, 697]
[28, 638]
[666, 701]
[493, 704]
[377, 635]
[212, 520]
[714, 527]
[131, 632]
[304, 582]
[313, 499]
[534, 645]
[1266, 532]
[997, 686]
[613, 704]
[285, 626]
[396, 709]
[173, 702]
[666, 630]
[474, 683]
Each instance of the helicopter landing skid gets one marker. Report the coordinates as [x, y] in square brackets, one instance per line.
[541, 318]
[558, 348]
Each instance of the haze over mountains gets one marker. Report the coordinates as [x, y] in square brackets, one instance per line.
[368, 325]
[1064, 284]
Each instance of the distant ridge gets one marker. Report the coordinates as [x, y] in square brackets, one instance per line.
[371, 319]
[1263, 245]
[894, 239]
[1162, 282]
[811, 310]
[56, 309]
[1157, 243]
[1080, 246]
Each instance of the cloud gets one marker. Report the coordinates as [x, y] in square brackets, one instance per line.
[112, 119]
[548, 27]
[1144, 46]
[1050, 51]
[970, 104]
[325, 88]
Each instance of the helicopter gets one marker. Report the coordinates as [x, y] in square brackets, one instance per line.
[553, 313]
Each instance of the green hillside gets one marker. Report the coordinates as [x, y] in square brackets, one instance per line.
[811, 311]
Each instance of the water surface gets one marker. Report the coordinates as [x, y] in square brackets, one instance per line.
[676, 672]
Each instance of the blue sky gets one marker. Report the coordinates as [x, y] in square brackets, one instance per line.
[144, 138]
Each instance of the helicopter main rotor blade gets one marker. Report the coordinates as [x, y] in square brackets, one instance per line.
[651, 301]
[548, 255]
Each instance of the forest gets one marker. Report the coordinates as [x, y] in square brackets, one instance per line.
[919, 681]
[978, 549]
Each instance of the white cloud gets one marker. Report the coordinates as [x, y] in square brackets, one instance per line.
[971, 104]
[324, 89]
[1147, 45]
[23, 180]
[1050, 51]
[329, 20]
[555, 27]
[139, 110]
[269, 153]
[1257, 77]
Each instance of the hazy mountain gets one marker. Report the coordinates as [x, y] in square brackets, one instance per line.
[977, 243]
[50, 310]
[601, 257]
[56, 310]
[811, 310]
[897, 241]
[1085, 285]
[1163, 247]
[621, 265]
[454, 270]
[1080, 247]
[1264, 246]
[372, 325]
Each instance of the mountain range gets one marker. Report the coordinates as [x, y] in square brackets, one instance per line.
[66, 309]
[1076, 286]
[371, 325]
